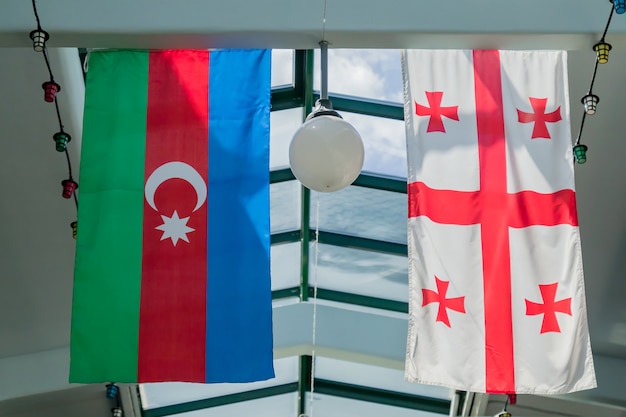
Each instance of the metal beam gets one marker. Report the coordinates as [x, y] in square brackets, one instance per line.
[467, 24]
[366, 107]
[304, 382]
[361, 300]
[355, 242]
[221, 400]
[381, 396]
[306, 78]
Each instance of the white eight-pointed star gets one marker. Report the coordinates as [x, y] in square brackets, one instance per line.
[175, 228]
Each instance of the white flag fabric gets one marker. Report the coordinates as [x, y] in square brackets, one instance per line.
[497, 300]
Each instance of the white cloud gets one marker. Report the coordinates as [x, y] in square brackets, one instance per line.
[282, 66]
[384, 142]
[371, 73]
[283, 124]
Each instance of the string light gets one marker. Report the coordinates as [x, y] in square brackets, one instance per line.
[602, 49]
[39, 38]
[51, 89]
[512, 398]
[580, 153]
[112, 389]
[69, 186]
[61, 139]
[590, 101]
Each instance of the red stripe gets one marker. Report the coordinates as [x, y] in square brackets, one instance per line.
[531, 208]
[499, 363]
[172, 324]
[524, 208]
[444, 206]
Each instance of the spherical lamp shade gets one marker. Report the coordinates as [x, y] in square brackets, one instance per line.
[326, 153]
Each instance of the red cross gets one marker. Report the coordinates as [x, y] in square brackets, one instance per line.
[430, 296]
[435, 111]
[549, 308]
[495, 210]
[540, 117]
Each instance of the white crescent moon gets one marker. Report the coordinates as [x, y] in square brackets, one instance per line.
[176, 169]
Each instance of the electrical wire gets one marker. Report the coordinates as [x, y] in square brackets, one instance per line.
[593, 77]
[56, 103]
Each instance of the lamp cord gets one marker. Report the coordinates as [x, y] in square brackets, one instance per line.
[36, 16]
[324, 70]
[323, 22]
[608, 22]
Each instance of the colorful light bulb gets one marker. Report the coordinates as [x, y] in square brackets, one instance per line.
[50, 89]
[74, 226]
[580, 153]
[602, 51]
[39, 38]
[112, 390]
[590, 101]
[69, 186]
[61, 139]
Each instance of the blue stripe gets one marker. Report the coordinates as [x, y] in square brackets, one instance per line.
[239, 302]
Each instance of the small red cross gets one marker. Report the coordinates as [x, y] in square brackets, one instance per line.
[549, 308]
[540, 117]
[430, 296]
[435, 111]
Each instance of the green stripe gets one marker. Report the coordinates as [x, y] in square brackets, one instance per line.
[107, 279]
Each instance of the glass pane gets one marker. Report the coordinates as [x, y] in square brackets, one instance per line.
[370, 73]
[285, 206]
[360, 272]
[329, 406]
[284, 405]
[363, 212]
[375, 377]
[282, 67]
[384, 142]
[283, 124]
[167, 393]
[285, 265]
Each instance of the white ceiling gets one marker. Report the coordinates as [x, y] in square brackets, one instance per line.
[36, 245]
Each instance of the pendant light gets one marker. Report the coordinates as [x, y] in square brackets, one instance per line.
[326, 153]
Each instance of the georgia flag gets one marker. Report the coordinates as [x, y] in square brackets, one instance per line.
[497, 300]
